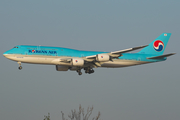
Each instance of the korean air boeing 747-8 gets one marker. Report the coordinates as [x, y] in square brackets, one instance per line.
[70, 59]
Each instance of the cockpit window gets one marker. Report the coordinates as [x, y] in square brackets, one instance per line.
[15, 47]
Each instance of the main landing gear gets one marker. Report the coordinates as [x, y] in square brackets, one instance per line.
[20, 67]
[79, 72]
[87, 70]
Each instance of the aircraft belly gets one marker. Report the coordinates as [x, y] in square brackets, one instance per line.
[37, 60]
[32, 59]
[55, 60]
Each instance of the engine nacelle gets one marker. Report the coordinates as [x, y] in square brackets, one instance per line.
[62, 68]
[102, 57]
[77, 62]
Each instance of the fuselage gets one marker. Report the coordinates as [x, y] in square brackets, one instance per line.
[51, 56]
[66, 59]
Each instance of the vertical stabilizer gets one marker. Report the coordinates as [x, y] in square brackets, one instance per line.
[158, 46]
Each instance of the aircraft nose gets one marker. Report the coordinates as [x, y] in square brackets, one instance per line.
[5, 54]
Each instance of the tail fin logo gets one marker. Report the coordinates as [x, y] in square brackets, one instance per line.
[158, 45]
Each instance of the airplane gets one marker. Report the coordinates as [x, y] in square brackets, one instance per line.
[71, 59]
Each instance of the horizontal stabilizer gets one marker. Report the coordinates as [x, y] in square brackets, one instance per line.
[161, 56]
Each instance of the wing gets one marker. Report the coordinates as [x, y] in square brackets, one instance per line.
[128, 50]
[116, 54]
[99, 59]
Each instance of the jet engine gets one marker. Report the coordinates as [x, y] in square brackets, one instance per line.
[62, 68]
[77, 62]
[102, 57]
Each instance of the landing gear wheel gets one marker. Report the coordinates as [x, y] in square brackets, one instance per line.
[89, 70]
[86, 71]
[20, 67]
[92, 71]
[80, 73]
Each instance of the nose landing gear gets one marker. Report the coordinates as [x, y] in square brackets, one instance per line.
[20, 67]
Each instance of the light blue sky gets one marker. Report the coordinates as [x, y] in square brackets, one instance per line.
[144, 92]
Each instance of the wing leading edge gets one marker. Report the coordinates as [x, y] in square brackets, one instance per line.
[116, 54]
